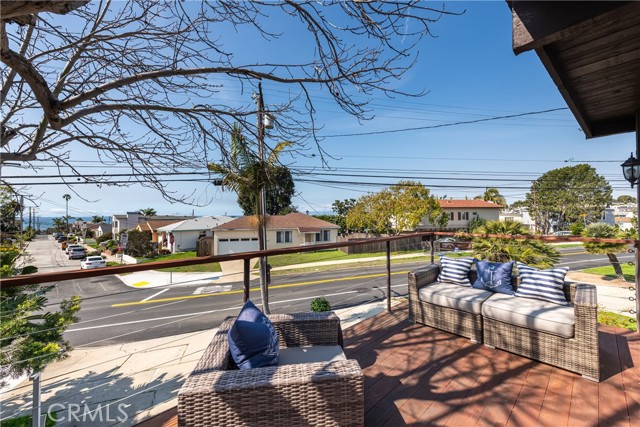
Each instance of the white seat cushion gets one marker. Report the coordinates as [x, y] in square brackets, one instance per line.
[455, 296]
[530, 313]
[316, 353]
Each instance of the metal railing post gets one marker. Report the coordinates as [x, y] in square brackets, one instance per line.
[36, 419]
[388, 276]
[247, 266]
[432, 240]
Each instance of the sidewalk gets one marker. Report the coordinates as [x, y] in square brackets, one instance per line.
[144, 377]
[232, 272]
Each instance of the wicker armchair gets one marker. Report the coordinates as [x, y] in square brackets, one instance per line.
[579, 354]
[323, 393]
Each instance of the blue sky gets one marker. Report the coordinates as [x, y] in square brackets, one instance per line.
[471, 73]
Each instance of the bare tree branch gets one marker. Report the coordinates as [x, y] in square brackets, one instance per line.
[158, 86]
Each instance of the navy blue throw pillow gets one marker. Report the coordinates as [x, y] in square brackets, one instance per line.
[494, 276]
[253, 341]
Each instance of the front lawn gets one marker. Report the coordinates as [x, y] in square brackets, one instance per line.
[618, 320]
[607, 272]
[199, 268]
[25, 421]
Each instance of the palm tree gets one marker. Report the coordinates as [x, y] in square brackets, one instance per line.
[148, 212]
[58, 223]
[66, 198]
[246, 172]
[97, 218]
[532, 252]
[605, 231]
[493, 195]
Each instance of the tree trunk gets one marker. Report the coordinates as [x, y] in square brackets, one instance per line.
[613, 259]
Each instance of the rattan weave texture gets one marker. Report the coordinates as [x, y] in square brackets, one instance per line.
[311, 394]
[579, 354]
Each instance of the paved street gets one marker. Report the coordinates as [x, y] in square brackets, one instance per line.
[113, 312]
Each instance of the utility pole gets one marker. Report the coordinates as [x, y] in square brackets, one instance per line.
[262, 205]
[21, 221]
[535, 209]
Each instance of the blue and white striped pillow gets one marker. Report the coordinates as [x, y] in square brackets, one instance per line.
[455, 270]
[545, 285]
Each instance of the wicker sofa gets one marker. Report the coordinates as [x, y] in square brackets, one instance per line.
[330, 393]
[577, 351]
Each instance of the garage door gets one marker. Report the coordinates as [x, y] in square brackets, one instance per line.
[234, 246]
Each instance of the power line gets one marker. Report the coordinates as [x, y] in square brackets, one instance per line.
[510, 116]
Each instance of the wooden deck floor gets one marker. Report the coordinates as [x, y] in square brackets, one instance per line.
[417, 375]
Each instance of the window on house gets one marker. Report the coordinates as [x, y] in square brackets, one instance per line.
[284, 237]
[465, 216]
[459, 216]
[323, 236]
[451, 216]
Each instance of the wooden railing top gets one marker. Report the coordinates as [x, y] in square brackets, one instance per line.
[80, 274]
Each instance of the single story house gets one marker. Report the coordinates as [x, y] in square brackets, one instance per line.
[103, 228]
[187, 232]
[294, 229]
[624, 223]
[461, 212]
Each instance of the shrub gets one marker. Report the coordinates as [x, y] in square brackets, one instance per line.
[104, 237]
[320, 304]
[475, 223]
[576, 228]
[29, 269]
[139, 243]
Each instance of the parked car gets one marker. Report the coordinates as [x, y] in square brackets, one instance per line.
[92, 262]
[61, 238]
[451, 244]
[69, 247]
[77, 253]
[56, 235]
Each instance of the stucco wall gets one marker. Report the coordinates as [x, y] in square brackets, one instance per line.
[488, 214]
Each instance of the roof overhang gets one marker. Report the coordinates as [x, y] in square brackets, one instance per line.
[592, 52]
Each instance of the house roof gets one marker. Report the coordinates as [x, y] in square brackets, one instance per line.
[197, 224]
[299, 221]
[590, 50]
[105, 227]
[470, 204]
[155, 224]
[622, 219]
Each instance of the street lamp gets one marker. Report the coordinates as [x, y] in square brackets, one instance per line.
[631, 170]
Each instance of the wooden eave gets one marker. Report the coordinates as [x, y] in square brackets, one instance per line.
[591, 50]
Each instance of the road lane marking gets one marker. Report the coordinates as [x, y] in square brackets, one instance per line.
[238, 307]
[573, 253]
[255, 289]
[140, 284]
[155, 295]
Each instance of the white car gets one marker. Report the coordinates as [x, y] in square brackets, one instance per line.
[92, 262]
